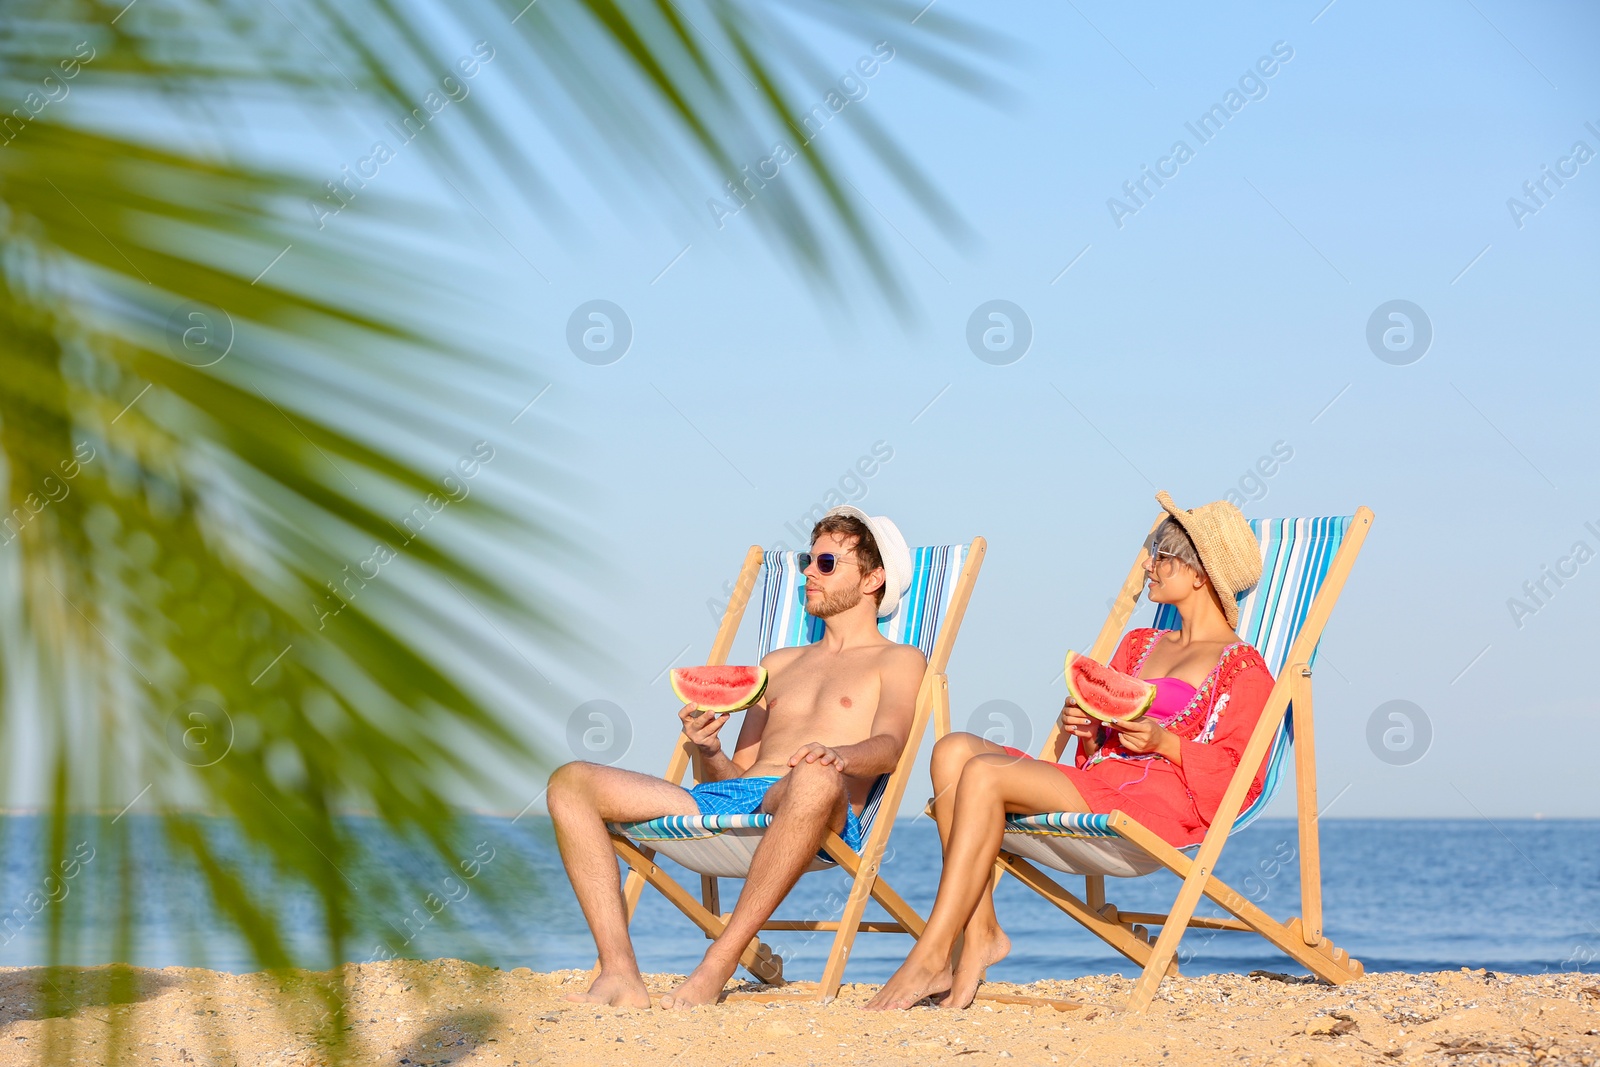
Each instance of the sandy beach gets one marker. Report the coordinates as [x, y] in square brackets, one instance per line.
[439, 1012]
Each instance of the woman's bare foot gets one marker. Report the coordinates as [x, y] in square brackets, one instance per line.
[980, 950]
[911, 983]
[704, 986]
[617, 990]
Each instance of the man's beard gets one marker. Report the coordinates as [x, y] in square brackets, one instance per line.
[831, 604]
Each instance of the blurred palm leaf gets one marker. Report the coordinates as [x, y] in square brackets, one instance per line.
[212, 600]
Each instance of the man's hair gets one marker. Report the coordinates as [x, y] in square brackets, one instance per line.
[866, 547]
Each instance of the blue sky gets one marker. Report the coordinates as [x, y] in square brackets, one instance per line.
[1225, 318]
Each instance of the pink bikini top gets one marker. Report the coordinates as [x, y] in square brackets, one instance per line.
[1172, 696]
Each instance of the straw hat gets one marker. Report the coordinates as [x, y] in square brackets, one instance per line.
[1228, 550]
[892, 547]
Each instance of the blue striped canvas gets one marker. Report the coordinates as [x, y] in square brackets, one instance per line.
[914, 621]
[694, 827]
[1067, 823]
[1295, 557]
[784, 623]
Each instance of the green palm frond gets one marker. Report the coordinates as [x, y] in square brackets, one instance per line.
[254, 561]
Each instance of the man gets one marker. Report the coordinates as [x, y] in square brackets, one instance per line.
[835, 716]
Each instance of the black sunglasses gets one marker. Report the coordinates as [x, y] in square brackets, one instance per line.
[825, 561]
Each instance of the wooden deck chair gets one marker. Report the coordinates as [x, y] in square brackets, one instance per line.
[1305, 563]
[721, 846]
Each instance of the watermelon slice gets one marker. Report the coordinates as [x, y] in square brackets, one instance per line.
[1106, 694]
[719, 689]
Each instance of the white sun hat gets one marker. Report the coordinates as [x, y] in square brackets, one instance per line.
[892, 547]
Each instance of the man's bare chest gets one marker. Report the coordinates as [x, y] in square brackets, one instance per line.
[828, 687]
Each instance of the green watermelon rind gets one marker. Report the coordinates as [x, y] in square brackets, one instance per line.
[1135, 711]
[745, 701]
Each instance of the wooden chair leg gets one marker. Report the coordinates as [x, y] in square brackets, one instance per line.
[710, 894]
[882, 891]
[1133, 942]
[757, 958]
[845, 938]
[1165, 950]
[1322, 957]
[632, 891]
[1305, 775]
[935, 693]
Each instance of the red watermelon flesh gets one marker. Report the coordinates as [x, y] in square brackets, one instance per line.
[719, 689]
[1107, 694]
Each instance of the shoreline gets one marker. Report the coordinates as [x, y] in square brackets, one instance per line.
[436, 1012]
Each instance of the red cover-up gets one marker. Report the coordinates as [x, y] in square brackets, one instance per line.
[1179, 802]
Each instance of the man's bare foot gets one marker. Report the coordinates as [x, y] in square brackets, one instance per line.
[979, 951]
[617, 990]
[704, 986]
[911, 983]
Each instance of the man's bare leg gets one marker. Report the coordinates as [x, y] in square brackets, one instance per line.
[990, 786]
[582, 798]
[806, 806]
[983, 943]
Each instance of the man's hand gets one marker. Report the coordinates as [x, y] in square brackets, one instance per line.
[815, 753]
[1143, 736]
[702, 730]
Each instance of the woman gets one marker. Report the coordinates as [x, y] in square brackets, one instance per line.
[1167, 769]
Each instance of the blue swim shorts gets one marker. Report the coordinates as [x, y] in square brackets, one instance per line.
[743, 796]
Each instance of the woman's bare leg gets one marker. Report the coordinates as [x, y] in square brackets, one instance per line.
[989, 786]
[983, 943]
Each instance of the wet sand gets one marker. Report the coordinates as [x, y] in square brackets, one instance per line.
[419, 1014]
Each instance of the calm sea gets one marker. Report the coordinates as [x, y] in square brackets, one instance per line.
[1516, 896]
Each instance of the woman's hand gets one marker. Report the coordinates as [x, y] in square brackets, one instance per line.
[701, 730]
[1077, 722]
[1144, 735]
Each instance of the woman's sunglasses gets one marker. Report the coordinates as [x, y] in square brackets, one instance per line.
[1158, 557]
[825, 561]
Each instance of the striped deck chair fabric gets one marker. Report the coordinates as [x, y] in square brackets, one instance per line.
[723, 845]
[1295, 557]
